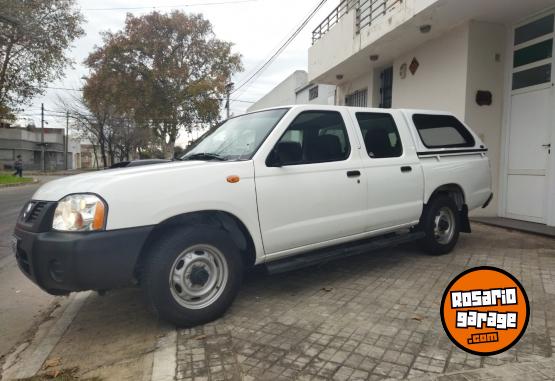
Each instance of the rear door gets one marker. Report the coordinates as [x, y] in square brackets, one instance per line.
[391, 169]
[318, 193]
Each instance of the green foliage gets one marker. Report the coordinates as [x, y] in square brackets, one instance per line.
[8, 178]
[34, 38]
[166, 71]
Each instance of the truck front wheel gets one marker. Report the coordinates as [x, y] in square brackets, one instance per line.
[441, 224]
[192, 276]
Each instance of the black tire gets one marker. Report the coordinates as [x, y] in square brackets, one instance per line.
[434, 243]
[162, 260]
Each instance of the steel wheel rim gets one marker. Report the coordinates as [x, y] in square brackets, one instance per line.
[198, 276]
[444, 225]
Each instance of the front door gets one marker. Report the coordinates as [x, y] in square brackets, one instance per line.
[531, 121]
[313, 193]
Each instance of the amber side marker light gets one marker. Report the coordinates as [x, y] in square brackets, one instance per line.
[99, 213]
[233, 179]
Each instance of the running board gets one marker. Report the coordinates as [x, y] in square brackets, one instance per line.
[324, 255]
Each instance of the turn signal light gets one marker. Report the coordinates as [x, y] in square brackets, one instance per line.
[233, 179]
[99, 214]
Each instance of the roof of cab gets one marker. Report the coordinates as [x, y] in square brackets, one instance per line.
[409, 111]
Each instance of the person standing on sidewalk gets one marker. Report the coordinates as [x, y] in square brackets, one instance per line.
[18, 166]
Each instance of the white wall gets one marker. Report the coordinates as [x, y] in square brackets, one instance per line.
[326, 95]
[283, 94]
[364, 82]
[486, 65]
[440, 81]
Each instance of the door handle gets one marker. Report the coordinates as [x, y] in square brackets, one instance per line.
[407, 168]
[546, 145]
[353, 173]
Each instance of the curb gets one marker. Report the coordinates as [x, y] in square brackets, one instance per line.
[28, 361]
[164, 362]
[35, 181]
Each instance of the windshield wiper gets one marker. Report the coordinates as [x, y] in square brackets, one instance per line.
[204, 156]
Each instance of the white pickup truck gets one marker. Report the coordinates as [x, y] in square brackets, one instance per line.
[286, 187]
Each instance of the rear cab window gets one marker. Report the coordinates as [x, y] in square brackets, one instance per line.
[442, 131]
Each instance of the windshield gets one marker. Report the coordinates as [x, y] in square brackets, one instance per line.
[238, 138]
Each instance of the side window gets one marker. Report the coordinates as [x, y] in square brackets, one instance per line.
[442, 131]
[314, 137]
[380, 134]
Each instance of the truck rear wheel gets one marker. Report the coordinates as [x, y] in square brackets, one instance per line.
[191, 277]
[441, 224]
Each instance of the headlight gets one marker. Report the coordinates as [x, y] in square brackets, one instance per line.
[80, 212]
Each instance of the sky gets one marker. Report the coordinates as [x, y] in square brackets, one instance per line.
[255, 27]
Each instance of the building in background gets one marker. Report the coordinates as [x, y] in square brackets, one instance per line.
[488, 62]
[26, 141]
[91, 156]
[296, 89]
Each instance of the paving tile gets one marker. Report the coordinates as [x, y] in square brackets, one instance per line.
[374, 317]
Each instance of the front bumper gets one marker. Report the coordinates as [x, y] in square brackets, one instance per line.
[61, 262]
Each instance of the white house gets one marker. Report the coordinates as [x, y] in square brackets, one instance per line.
[488, 61]
[296, 89]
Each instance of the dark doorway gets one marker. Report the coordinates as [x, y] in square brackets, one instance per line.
[386, 87]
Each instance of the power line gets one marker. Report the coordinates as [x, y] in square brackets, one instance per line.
[80, 90]
[282, 48]
[60, 88]
[171, 6]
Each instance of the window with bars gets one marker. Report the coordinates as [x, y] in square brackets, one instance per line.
[313, 93]
[357, 99]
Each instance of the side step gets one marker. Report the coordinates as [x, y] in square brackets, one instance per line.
[324, 255]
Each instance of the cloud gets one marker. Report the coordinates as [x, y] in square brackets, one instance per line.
[256, 28]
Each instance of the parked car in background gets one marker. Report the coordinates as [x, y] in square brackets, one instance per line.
[285, 187]
[137, 163]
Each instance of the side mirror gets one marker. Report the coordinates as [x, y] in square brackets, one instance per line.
[274, 159]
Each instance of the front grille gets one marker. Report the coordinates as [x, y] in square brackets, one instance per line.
[35, 211]
[36, 216]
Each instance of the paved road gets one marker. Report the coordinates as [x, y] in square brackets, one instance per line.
[110, 337]
[23, 303]
[11, 202]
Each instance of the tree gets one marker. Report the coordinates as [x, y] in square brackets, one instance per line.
[167, 71]
[34, 38]
[116, 136]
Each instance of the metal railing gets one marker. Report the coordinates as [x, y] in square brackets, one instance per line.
[367, 12]
[333, 18]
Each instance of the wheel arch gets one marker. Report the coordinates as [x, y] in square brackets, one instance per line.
[236, 229]
[455, 192]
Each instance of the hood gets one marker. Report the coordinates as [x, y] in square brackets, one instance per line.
[98, 181]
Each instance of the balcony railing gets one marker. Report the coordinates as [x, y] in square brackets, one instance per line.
[367, 12]
[333, 18]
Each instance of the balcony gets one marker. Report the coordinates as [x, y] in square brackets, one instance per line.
[349, 29]
[356, 30]
[366, 12]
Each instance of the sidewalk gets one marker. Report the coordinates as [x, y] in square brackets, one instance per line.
[374, 317]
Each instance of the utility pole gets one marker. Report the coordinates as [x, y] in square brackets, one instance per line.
[228, 89]
[43, 153]
[66, 140]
